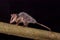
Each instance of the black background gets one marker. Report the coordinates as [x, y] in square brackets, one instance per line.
[44, 11]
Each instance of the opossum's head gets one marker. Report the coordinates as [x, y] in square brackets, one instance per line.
[13, 18]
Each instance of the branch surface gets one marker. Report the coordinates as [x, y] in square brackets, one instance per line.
[27, 32]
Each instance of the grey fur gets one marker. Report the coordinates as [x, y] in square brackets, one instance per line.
[26, 19]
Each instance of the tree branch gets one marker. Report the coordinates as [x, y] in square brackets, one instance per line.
[27, 32]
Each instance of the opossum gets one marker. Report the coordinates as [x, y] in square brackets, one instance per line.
[25, 19]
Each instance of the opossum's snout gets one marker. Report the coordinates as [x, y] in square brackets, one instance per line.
[11, 21]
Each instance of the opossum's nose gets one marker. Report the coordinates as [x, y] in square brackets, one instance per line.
[11, 21]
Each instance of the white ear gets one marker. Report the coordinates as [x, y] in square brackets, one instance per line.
[13, 14]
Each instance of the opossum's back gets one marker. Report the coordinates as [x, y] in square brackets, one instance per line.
[23, 14]
[27, 17]
[30, 20]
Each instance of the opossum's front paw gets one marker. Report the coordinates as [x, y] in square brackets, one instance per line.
[17, 24]
[25, 25]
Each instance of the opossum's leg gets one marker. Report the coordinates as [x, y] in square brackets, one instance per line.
[17, 23]
[25, 24]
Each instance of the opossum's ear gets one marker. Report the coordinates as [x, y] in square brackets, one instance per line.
[13, 14]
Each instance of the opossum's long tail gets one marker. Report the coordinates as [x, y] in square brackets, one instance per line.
[44, 26]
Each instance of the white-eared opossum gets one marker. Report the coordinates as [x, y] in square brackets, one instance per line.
[25, 18]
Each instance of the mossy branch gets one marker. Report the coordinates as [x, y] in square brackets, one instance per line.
[27, 32]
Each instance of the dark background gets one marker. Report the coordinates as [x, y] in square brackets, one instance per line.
[46, 12]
